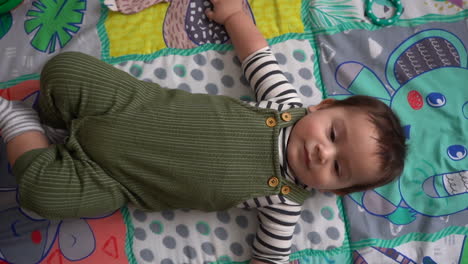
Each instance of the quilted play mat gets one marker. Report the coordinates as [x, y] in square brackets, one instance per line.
[417, 64]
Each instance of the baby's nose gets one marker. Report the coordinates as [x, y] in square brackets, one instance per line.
[325, 153]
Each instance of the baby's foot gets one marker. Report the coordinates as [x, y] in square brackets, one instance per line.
[17, 118]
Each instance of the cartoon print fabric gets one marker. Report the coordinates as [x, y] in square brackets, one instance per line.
[423, 80]
[327, 48]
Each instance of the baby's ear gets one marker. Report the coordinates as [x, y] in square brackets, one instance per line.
[323, 104]
[337, 192]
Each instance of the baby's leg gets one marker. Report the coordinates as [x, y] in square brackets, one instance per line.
[25, 142]
[20, 128]
[61, 181]
[71, 87]
[75, 85]
[17, 118]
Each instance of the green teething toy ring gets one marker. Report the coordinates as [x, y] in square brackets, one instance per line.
[7, 5]
[384, 22]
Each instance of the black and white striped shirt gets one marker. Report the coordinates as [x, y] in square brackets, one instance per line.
[277, 215]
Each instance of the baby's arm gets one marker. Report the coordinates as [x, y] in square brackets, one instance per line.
[276, 228]
[244, 35]
[272, 88]
[258, 62]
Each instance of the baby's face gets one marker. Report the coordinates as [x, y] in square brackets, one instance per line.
[333, 148]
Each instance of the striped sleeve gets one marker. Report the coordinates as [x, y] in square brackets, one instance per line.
[273, 240]
[267, 79]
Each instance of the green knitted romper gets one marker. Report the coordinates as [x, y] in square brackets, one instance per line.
[133, 141]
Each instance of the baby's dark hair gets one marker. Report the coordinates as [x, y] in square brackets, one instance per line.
[391, 140]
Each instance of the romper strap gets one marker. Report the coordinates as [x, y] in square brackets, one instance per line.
[290, 116]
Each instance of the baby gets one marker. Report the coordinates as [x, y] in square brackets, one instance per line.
[159, 149]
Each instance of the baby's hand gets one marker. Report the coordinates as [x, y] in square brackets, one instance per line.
[223, 10]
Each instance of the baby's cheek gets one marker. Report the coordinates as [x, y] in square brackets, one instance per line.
[318, 180]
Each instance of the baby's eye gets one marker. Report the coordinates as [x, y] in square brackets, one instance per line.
[332, 135]
[337, 168]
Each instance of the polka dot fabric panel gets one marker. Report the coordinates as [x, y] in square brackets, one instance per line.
[188, 236]
[219, 72]
[319, 44]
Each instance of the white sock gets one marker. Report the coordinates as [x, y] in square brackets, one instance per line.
[17, 118]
